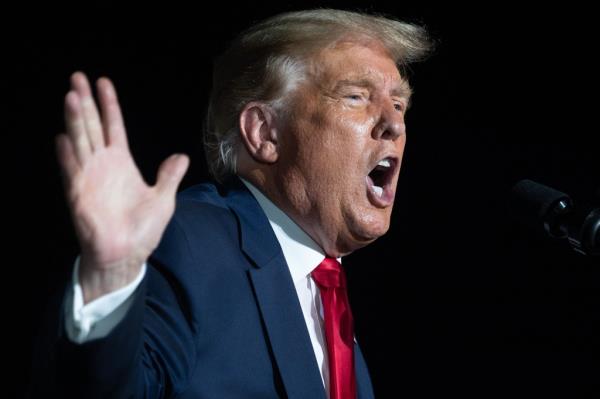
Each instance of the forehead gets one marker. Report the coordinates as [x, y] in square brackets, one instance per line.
[350, 62]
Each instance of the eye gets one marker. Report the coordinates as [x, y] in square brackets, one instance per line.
[399, 106]
[355, 97]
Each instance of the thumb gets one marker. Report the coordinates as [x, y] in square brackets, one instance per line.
[170, 173]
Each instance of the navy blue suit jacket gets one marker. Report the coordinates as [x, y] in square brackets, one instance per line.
[216, 316]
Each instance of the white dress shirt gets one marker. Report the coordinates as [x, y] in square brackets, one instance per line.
[97, 318]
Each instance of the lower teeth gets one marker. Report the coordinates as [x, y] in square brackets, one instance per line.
[378, 190]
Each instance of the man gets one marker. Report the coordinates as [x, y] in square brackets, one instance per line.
[235, 290]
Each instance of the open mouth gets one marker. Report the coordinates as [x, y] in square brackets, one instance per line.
[379, 182]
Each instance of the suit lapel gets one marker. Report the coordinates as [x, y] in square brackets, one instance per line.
[276, 297]
[364, 390]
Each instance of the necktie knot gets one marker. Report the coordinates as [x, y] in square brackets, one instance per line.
[329, 274]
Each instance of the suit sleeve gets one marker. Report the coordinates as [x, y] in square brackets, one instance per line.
[150, 353]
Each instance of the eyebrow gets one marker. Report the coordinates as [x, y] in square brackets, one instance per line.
[403, 90]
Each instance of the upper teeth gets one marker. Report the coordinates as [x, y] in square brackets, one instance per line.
[385, 163]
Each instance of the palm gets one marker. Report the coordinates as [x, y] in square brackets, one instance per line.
[116, 211]
[117, 216]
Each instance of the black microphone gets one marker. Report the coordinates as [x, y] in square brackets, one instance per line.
[543, 207]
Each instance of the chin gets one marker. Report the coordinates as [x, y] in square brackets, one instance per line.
[362, 234]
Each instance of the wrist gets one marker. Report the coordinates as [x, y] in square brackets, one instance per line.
[97, 281]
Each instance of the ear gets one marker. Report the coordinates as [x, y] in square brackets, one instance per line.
[259, 133]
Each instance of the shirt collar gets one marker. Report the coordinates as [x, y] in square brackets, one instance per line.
[301, 252]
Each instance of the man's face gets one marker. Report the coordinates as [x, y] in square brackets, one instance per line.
[346, 119]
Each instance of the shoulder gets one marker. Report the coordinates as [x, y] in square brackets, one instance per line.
[202, 216]
[201, 239]
[204, 201]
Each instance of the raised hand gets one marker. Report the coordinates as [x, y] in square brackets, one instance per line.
[118, 218]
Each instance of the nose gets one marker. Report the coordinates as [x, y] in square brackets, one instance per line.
[391, 122]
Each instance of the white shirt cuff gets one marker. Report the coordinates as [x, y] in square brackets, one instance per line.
[97, 319]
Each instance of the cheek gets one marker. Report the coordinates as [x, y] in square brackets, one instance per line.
[328, 148]
[358, 122]
[346, 139]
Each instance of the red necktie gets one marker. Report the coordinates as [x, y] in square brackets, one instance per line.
[331, 280]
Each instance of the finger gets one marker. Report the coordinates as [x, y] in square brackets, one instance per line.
[171, 172]
[112, 118]
[91, 118]
[65, 152]
[76, 127]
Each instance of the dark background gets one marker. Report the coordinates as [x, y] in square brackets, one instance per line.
[456, 298]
